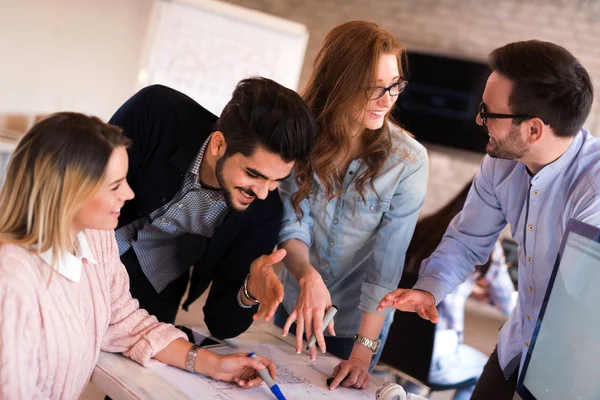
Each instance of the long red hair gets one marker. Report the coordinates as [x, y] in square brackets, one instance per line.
[345, 67]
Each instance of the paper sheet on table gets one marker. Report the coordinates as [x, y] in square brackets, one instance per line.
[297, 376]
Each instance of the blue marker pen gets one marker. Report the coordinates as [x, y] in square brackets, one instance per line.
[264, 374]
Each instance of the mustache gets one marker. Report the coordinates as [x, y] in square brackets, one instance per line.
[247, 191]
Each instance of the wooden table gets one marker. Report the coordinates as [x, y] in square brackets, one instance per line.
[122, 378]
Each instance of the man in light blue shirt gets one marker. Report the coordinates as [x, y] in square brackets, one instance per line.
[541, 169]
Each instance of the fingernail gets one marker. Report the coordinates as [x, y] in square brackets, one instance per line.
[312, 358]
[298, 351]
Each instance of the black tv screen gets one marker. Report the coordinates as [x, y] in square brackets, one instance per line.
[440, 103]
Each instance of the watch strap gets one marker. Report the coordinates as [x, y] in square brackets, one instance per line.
[371, 344]
[190, 360]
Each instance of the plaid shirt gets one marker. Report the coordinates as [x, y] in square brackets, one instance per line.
[194, 209]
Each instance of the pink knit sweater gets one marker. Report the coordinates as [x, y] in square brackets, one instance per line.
[51, 335]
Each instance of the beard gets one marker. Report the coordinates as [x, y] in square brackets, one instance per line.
[228, 193]
[512, 147]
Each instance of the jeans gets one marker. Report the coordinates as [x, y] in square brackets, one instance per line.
[340, 347]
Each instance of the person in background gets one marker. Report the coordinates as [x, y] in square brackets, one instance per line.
[64, 294]
[205, 196]
[541, 170]
[453, 361]
[350, 208]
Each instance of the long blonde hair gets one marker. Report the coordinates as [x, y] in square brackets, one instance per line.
[56, 167]
[345, 67]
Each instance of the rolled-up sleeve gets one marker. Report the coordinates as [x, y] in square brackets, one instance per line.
[132, 331]
[468, 241]
[291, 228]
[393, 236]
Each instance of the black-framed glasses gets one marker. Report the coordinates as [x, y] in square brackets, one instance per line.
[485, 115]
[377, 92]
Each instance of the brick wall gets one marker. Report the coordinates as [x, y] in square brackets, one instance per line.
[466, 28]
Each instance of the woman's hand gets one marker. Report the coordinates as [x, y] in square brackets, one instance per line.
[353, 372]
[313, 302]
[238, 368]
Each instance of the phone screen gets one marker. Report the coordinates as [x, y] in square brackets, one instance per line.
[200, 339]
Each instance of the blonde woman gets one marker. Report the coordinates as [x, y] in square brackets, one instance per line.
[64, 294]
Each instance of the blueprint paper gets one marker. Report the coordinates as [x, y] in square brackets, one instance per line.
[297, 376]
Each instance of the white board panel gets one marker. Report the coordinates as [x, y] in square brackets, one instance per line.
[204, 47]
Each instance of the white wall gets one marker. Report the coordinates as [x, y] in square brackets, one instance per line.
[80, 55]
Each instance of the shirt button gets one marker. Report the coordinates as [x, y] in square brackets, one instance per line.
[536, 192]
[528, 259]
[163, 219]
[371, 208]
[326, 280]
[526, 344]
[331, 243]
[531, 288]
[528, 318]
[180, 205]
[351, 172]
[530, 227]
[335, 221]
[327, 265]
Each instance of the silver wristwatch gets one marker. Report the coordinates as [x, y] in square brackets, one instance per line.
[191, 358]
[369, 343]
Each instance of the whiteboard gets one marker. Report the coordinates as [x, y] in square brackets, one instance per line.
[204, 47]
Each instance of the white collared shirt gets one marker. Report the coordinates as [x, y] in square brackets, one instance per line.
[70, 266]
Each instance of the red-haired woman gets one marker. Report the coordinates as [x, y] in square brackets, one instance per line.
[351, 208]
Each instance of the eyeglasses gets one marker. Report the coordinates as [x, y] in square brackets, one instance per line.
[377, 92]
[485, 115]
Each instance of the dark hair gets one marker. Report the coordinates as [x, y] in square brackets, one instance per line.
[430, 231]
[263, 113]
[548, 82]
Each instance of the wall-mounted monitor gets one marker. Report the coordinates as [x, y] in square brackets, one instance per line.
[441, 100]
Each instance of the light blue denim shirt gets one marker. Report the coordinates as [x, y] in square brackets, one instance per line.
[537, 209]
[359, 247]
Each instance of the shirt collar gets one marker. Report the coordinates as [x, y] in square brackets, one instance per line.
[194, 168]
[548, 173]
[70, 266]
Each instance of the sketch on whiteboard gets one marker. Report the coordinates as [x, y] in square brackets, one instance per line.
[203, 49]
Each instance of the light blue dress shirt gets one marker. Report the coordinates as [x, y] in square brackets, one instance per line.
[358, 246]
[537, 209]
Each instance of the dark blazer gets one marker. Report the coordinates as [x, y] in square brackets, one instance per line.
[167, 129]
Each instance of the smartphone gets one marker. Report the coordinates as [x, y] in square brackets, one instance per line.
[201, 339]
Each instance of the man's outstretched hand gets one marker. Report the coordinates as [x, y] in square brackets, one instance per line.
[411, 300]
[264, 284]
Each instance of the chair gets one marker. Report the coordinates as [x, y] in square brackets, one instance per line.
[409, 348]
